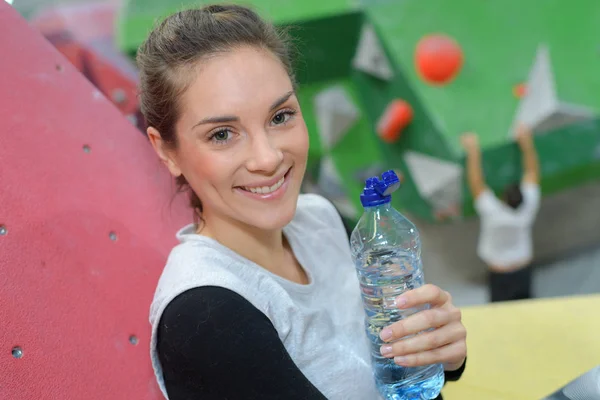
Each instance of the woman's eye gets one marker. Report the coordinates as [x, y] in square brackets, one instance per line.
[279, 119]
[221, 136]
[282, 117]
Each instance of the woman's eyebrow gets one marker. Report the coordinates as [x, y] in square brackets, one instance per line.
[281, 100]
[232, 118]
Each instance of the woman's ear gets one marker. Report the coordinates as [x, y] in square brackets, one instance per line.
[163, 153]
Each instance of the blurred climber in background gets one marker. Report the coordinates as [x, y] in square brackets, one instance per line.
[505, 239]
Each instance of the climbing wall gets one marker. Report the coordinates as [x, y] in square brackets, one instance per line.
[557, 103]
[84, 34]
[515, 64]
[137, 16]
[507, 46]
[87, 219]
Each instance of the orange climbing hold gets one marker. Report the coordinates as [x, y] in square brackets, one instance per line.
[396, 117]
[520, 90]
[438, 59]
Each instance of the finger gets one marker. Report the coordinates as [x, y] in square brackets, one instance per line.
[450, 354]
[420, 321]
[425, 341]
[426, 294]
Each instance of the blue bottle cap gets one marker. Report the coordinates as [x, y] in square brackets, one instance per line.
[377, 192]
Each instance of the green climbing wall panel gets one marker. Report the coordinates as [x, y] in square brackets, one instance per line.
[137, 17]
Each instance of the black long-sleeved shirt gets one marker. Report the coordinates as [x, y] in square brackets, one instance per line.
[215, 345]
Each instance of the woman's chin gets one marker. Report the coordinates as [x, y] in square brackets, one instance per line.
[273, 218]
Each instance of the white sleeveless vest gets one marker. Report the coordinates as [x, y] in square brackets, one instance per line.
[320, 324]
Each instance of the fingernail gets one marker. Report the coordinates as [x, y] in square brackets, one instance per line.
[400, 360]
[386, 334]
[386, 349]
[400, 302]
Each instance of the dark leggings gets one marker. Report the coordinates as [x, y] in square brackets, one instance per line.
[506, 286]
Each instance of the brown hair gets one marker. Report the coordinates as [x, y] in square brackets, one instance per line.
[170, 54]
[513, 196]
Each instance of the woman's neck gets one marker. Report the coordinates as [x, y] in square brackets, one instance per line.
[265, 248]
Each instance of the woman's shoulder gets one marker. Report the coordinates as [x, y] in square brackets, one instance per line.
[193, 255]
[316, 210]
[198, 262]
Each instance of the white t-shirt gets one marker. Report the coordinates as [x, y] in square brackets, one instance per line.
[321, 324]
[505, 238]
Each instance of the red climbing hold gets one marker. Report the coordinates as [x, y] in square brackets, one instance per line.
[438, 59]
[396, 117]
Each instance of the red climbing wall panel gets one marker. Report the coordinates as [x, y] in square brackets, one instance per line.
[86, 223]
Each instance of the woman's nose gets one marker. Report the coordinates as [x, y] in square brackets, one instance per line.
[264, 155]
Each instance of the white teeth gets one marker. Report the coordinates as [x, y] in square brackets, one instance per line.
[265, 189]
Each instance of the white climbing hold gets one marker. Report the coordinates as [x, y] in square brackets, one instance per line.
[336, 114]
[438, 181]
[540, 108]
[330, 185]
[370, 56]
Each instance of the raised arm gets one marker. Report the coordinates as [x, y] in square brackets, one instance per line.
[475, 177]
[531, 167]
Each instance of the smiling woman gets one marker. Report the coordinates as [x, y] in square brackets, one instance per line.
[260, 299]
[216, 107]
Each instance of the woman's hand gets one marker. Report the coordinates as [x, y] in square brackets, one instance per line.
[446, 344]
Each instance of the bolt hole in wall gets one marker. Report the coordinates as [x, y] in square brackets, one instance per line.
[112, 236]
[132, 118]
[133, 339]
[3, 230]
[86, 148]
[119, 96]
[17, 352]
[59, 67]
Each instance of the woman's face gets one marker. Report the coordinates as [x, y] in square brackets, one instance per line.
[243, 143]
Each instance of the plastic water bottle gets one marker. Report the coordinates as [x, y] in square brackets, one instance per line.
[386, 250]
